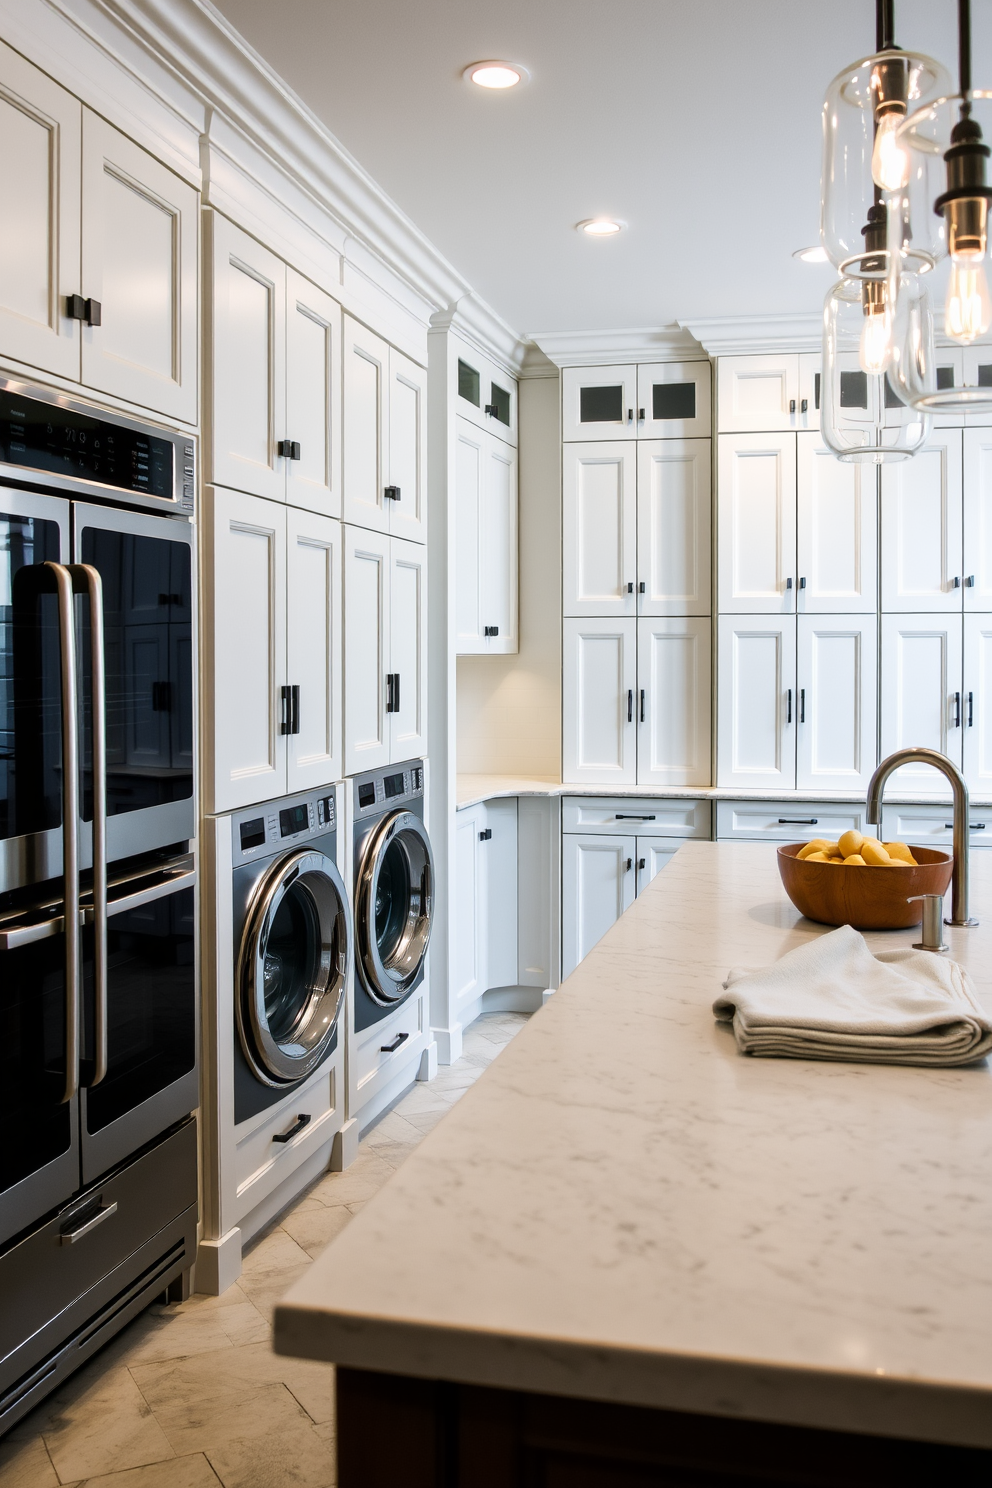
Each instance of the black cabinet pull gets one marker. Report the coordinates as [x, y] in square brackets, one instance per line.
[289, 449]
[798, 821]
[628, 816]
[286, 699]
[392, 493]
[630, 705]
[957, 710]
[972, 827]
[486, 835]
[491, 410]
[969, 582]
[400, 1038]
[304, 1119]
[788, 716]
[792, 405]
[642, 862]
[642, 587]
[788, 583]
[630, 415]
[490, 630]
[957, 582]
[804, 405]
[630, 588]
[642, 704]
[629, 864]
[294, 709]
[971, 710]
[392, 692]
[802, 705]
[640, 413]
[802, 583]
[90, 312]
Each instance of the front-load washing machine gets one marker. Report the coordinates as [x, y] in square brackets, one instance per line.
[394, 909]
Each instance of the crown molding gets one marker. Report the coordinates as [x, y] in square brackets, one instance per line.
[477, 323]
[601, 348]
[741, 335]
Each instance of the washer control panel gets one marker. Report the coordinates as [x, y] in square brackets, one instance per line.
[391, 786]
[260, 830]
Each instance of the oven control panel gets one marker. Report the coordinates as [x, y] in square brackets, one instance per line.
[260, 830]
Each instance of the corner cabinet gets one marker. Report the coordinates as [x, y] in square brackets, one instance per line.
[99, 271]
[385, 436]
[272, 649]
[485, 542]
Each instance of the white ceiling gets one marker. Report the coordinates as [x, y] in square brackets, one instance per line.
[695, 121]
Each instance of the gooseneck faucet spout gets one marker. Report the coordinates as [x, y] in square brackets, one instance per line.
[959, 879]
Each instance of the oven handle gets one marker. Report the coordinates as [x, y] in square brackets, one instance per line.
[22, 935]
[70, 822]
[138, 897]
[88, 577]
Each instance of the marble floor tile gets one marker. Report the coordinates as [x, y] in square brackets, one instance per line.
[107, 1428]
[304, 1459]
[396, 1153]
[315, 1228]
[364, 1178]
[426, 1121]
[392, 1128]
[200, 1426]
[26, 1464]
[270, 1268]
[212, 1381]
[178, 1472]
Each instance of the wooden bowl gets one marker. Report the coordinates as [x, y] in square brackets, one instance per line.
[867, 898]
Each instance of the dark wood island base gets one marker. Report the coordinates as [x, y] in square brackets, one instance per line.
[394, 1430]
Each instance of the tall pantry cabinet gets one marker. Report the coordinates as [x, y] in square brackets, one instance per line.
[636, 562]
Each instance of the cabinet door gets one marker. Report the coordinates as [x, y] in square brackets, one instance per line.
[977, 580]
[599, 403]
[809, 391]
[245, 649]
[408, 649]
[598, 884]
[407, 448]
[366, 420]
[949, 369]
[756, 703]
[471, 445]
[757, 393]
[652, 855]
[599, 529]
[313, 397]
[673, 400]
[921, 528]
[836, 531]
[501, 893]
[921, 694]
[673, 527]
[976, 371]
[366, 649]
[248, 366]
[599, 678]
[976, 704]
[41, 127]
[499, 547]
[140, 236]
[469, 917]
[313, 648]
[673, 701]
[756, 546]
[836, 671]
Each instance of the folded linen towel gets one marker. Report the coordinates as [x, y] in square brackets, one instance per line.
[832, 999]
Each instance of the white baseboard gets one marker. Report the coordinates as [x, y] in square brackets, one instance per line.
[428, 1062]
[218, 1264]
[344, 1148]
[449, 1043]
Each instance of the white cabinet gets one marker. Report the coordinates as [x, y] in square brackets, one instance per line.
[385, 444]
[921, 528]
[274, 427]
[98, 259]
[484, 901]
[756, 554]
[487, 395]
[921, 701]
[836, 684]
[598, 883]
[787, 821]
[385, 692]
[836, 531]
[932, 826]
[674, 559]
[599, 403]
[599, 529]
[759, 393]
[272, 648]
[756, 702]
[485, 543]
[652, 855]
[977, 519]
[976, 704]
[599, 678]
[673, 701]
[673, 400]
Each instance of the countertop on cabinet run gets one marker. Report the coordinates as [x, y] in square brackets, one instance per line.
[623, 1208]
[471, 789]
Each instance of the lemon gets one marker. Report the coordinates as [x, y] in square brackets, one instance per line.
[856, 859]
[899, 850]
[874, 853]
[850, 843]
[818, 844]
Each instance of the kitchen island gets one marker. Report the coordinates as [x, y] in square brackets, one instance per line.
[630, 1252]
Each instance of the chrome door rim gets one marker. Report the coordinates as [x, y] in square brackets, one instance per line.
[389, 981]
[277, 1061]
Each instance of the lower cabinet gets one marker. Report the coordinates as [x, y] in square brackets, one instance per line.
[484, 902]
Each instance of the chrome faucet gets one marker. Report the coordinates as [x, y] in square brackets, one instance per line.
[959, 878]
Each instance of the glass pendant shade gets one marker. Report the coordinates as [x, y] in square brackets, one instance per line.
[863, 152]
[861, 416]
[947, 143]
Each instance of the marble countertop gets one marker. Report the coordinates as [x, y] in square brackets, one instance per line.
[623, 1208]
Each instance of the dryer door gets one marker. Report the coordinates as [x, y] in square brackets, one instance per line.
[292, 966]
[394, 905]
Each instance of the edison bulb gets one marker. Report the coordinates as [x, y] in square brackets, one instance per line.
[889, 160]
[873, 347]
[968, 307]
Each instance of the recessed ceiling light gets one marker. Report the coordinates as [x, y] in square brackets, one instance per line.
[816, 254]
[600, 227]
[494, 74]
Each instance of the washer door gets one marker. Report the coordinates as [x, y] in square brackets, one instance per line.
[394, 904]
[292, 966]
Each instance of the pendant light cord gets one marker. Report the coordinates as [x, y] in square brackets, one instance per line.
[884, 25]
[964, 54]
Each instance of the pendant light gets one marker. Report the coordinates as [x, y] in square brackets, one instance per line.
[945, 143]
[862, 418]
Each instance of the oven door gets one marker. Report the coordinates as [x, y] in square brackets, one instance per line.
[146, 565]
[148, 1018]
[33, 530]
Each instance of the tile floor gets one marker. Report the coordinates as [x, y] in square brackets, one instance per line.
[192, 1396]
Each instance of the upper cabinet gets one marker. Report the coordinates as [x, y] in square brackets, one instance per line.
[663, 400]
[274, 427]
[98, 260]
[486, 395]
[385, 438]
[486, 543]
[922, 554]
[758, 394]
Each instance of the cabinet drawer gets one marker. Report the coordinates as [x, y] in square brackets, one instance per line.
[930, 826]
[646, 816]
[780, 821]
[375, 1060]
[262, 1162]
